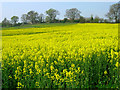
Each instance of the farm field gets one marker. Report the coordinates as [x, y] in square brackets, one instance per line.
[61, 56]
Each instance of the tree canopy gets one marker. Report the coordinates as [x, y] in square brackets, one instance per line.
[114, 12]
[14, 19]
[52, 13]
[73, 13]
[32, 16]
[24, 18]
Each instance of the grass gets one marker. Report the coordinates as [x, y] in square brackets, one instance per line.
[42, 25]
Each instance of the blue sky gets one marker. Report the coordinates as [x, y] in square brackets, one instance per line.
[10, 9]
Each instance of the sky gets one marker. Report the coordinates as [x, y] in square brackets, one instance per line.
[59, 0]
[10, 9]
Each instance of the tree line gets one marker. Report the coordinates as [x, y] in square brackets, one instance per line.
[72, 15]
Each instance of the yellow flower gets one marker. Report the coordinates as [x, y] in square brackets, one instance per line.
[56, 51]
[111, 61]
[73, 65]
[25, 63]
[71, 80]
[10, 77]
[51, 67]
[78, 69]
[30, 71]
[38, 71]
[47, 65]
[44, 70]
[117, 64]
[82, 71]
[65, 70]
[112, 53]
[37, 83]
[19, 84]
[52, 77]
[47, 74]
[105, 72]
[57, 76]
[36, 66]
[55, 62]
[62, 61]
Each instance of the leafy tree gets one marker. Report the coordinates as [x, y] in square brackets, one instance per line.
[87, 20]
[14, 19]
[65, 20]
[47, 19]
[91, 18]
[119, 11]
[41, 18]
[113, 13]
[73, 14]
[105, 21]
[5, 23]
[96, 20]
[52, 13]
[101, 20]
[57, 21]
[24, 18]
[82, 19]
[32, 16]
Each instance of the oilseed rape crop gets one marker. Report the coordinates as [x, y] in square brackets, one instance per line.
[69, 56]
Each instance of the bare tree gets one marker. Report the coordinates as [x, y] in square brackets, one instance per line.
[41, 18]
[113, 13]
[73, 13]
[119, 11]
[52, 13]
[24, 18]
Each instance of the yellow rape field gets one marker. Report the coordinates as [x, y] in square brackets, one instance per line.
[68, 56]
